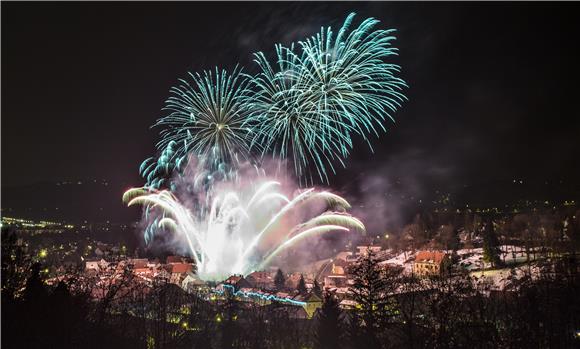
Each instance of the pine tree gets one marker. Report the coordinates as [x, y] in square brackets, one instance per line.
[302, 285]
[35, 291]
[490, 245]
[229, 326]
[279, 280]
[316, 289]
[370, 293]
[353, 331]
[329, 327]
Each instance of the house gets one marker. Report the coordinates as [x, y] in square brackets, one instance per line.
[153, 264]
[92, 265]
[429, 263]
[190, 282]
[337, 276]
[97, 265]
[339, 267]
[332, 267]
[162, 276]
[238, 281]
[347, 304]
[138, 263]
[335, 281]
[313, 302]
[363, 250]
[142, 271]
[178, 272]
[261, 279]
[103, 264]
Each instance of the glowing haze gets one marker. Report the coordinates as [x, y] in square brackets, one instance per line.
[237, 227]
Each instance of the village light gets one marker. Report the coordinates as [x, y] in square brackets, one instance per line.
[42, 253]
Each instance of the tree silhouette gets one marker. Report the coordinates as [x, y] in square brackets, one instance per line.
[316, 289]
[490, 245]
[279, 280]
[369, 291]
[35, 291]
[329, 326]
[301, 285]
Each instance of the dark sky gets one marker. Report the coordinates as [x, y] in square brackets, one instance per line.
[494, 87]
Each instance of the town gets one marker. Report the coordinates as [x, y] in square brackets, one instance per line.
[490, 256]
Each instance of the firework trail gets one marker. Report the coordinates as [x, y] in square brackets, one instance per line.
[242, 233]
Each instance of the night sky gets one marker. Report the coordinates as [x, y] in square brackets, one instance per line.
[493, 86]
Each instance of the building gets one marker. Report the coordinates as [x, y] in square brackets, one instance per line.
[312, 303]
[92, 265]
[429, 263]
[335, 281]
[178, 272]
[191, 283]
[364, 250]
[261, 279]
[138, 263]
[97, 265]
[337, 276]
[238, 281]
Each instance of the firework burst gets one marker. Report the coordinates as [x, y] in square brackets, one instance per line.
[206, 117]
[323, 91]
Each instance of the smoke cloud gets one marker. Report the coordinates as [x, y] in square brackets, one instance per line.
[216, 216]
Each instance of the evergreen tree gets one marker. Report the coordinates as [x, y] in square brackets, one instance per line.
[302, 285]
[229, 326]
[279, 280]
[353, 331]
[14, 261]
[490, 245]
[35, 291]
[370, 293]
[316, 289]
[329, 327]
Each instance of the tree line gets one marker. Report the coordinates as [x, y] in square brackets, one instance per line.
[390, 310]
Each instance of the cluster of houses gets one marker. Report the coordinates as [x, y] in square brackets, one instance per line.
[332, 275]
[259, 286]
[175, 270]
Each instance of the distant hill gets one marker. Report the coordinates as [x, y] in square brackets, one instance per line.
[98, 201]
[90, 200]
[498, 193]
